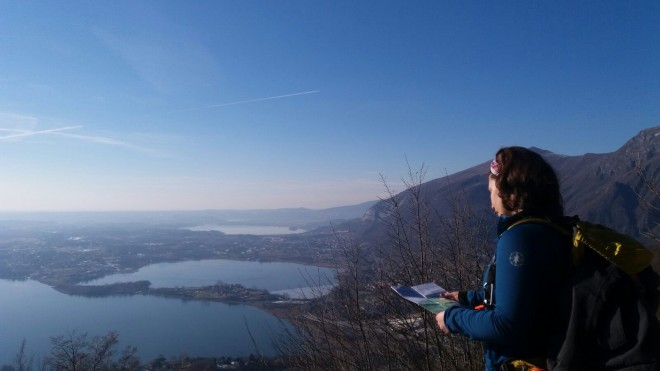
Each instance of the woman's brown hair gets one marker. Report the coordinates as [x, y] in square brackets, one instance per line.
[526, 182]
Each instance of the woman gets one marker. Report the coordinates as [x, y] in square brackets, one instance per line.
[513, 314]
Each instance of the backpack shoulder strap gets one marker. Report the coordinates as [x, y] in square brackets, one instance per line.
[543, 221]
[619, 249]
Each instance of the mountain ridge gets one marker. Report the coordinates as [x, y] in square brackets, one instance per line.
[603, 188]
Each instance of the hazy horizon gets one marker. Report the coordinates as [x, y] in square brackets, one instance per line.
[153, 106]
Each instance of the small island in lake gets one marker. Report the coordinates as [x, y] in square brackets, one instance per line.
[220, 292]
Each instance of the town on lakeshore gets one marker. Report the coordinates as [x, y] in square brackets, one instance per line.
[67, 256]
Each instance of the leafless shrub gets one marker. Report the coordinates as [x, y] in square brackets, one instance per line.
[76, 352]
[362, 324]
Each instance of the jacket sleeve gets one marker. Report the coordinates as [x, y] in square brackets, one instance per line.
[522, 270]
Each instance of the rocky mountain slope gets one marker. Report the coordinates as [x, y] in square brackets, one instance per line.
[618, 189]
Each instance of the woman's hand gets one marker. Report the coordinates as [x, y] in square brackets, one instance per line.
[440, 318]
[453, 295]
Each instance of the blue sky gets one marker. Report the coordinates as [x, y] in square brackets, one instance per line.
[179, 105]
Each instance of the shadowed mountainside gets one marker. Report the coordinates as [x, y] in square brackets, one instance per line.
[603, 188]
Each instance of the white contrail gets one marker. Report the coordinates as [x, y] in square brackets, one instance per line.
[30, 133]
[248, 101]
[110, 142]
[262, 99]
[19, 133]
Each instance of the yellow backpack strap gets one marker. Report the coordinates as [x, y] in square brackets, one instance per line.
[525, 365]
[622, 250]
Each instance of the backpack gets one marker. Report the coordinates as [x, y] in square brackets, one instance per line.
[608, 302]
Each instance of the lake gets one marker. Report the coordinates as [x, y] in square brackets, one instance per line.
[156, 326]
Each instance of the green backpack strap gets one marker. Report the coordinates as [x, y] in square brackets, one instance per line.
[562, 230]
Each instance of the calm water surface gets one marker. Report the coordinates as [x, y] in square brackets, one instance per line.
[171, 327]
[269, 276]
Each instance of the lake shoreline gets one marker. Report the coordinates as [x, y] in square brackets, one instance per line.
[207, 316]
[233, 294]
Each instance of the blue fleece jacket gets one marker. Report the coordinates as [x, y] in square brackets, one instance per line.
[530, 260]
